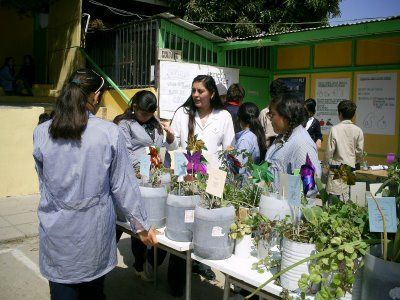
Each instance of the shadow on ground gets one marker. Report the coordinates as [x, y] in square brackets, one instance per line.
[122, 284]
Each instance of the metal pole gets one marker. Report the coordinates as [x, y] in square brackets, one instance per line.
[226, 287]
[188, 275]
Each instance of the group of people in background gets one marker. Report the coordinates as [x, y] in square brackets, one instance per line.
[78, 203]
[20, 83]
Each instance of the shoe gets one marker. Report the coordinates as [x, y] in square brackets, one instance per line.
[206, 273]
[143, 275]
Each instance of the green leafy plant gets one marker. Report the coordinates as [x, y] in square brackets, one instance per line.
[391, 188]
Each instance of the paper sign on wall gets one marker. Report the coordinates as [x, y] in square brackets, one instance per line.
[180, 163]
[328, 93]
[216, 182]
[376, 103]
[144, 162]
[388, 207]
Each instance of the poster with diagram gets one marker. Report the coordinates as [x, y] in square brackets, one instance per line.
[328, 93]
[376, 103]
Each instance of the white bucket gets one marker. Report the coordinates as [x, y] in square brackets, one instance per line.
[155, 202]
[292, 253]
[274, 208]
[243, 246]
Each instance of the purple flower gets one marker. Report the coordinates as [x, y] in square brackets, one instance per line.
[307, 172]
[194, 163]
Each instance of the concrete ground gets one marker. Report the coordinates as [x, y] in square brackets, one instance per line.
[20, 278]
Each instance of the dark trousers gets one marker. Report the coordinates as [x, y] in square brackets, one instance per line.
[176, 265]
[92, 290]
[139, 251]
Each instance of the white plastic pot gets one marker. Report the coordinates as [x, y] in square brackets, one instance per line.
[155, 202]
[243, 246]
[180, 217]
[293, 252]
[274, 208]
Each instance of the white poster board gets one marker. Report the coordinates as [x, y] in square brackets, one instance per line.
[176, 82]
[328, 93]
[376, 103]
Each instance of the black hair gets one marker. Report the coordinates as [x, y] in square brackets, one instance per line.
[347, 108]
[189, 106]
[70, 113]
[292, 110]
[248, 114]
[43, 118]
[235, 93]
[145, 101]
[277, 88]
[310, 106]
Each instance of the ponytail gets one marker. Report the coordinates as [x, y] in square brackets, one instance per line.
[248, 113]
[70, 114]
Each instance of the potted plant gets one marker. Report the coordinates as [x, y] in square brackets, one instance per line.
[185, 193]
[213, 219]
[153, 189]
[381, 276]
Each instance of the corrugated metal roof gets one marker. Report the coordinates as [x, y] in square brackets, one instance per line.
[189, 26]
[264, 34]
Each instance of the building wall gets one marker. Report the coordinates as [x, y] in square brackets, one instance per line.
[346, 59]
[64, 36]
[18, 175]
[16, 33]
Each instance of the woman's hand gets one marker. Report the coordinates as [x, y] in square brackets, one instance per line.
[169, 131]
[149, 238]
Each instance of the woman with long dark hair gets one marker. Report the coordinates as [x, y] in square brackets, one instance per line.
[203, 114]
[142, 129]
[83, 170]
[290, 148]
[251, 138]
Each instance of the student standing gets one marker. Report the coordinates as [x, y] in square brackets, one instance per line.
[293, 143]
[83, 170]
[251, 138]
[312, 126]
[344, 146]
[141, 130]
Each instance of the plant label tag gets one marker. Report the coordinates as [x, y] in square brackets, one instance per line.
[189, 216]
[388, 207]
[180, 163]
[283, 188]
[217, 231]
[293, 190]
[144, 162]
[216, 182]
[163, 151]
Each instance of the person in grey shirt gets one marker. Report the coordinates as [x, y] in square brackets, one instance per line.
[83, 169]
[293, 143]
[141, 130]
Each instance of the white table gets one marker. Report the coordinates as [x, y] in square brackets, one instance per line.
[238, 271]
[180, 249]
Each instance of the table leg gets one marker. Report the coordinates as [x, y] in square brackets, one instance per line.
[188, 275]
[226, 287]
[155, 267]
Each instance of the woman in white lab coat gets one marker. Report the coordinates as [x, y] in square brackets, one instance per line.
[203, 114]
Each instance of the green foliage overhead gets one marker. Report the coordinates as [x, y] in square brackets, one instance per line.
[273, 15]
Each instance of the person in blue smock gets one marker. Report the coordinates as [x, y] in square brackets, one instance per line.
[290, 148]
[142, 129]
[251, 138]
[83, 170]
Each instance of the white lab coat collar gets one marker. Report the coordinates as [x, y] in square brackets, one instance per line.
[212, 117]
